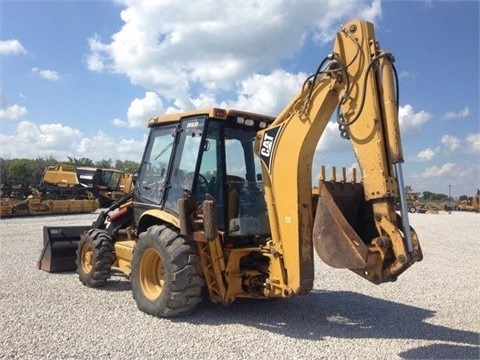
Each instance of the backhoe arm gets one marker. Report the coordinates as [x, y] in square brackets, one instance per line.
[355, 225]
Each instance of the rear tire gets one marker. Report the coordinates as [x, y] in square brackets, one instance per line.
[95, 257]
[166, 276]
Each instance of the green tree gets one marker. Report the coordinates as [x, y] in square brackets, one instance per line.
[427, 196]
[127, 166]
[3, 169]
[104, 164]
[80, 162]
[21, 171]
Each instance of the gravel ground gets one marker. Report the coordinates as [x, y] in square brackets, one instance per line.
[431, 312]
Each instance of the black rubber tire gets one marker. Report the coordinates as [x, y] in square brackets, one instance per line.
[95, 257]
[166, 277]
[412, 209]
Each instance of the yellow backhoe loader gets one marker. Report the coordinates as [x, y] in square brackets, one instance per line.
[224, 202]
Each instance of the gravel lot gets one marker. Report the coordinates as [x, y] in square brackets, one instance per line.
[431, 312]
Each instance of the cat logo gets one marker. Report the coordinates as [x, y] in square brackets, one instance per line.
[268, 145]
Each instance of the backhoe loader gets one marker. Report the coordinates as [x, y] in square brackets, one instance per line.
[223, 201]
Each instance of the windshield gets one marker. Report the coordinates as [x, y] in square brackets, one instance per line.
[153, 174]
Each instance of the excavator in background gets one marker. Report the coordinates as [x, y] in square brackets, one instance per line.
[106, 185]
[59, 192]
[66, 189]
[224, 202]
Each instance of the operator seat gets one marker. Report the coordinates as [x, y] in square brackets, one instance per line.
[235, 185]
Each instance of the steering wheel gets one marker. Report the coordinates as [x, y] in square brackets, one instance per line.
[202, 187]
[202, 183]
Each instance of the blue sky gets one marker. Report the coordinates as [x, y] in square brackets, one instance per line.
[80, 78]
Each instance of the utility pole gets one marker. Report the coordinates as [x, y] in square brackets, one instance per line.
[449, 198]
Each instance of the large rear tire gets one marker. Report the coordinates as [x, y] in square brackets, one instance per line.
[166, 276]
[95, 257]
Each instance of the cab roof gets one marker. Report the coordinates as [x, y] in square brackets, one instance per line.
[216, 113]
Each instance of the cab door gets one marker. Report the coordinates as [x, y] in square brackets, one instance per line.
[186, 160]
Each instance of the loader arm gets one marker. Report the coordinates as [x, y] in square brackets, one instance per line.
[363, 232]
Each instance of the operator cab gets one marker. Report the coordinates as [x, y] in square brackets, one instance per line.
[207, 152]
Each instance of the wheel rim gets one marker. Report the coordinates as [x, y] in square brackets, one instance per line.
[151, 274]
[87, 258]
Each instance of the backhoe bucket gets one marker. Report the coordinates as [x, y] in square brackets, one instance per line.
[343, 218]
[59, 247]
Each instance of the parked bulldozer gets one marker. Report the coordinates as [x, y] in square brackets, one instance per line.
[471, 204]
[223, 203]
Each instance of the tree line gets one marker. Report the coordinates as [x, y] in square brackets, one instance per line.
[30, 171]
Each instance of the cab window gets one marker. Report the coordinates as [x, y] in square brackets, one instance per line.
[153, 174]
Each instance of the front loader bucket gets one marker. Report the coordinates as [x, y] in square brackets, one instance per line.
[342, 219]
[59, 247]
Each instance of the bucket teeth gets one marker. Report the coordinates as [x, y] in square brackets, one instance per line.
[333, 175]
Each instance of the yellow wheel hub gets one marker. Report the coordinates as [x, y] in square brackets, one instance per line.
[87, 258]
[151, 274]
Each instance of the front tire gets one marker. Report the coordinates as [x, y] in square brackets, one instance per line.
[166, 276]
[95, 256]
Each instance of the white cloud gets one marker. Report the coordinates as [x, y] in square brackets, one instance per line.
[101, 145]
[141, 109]
[465, 112]
[473, 141]
[119, 122]
[411, 121]
[439, 171]
[186, 65]
[267, 94]
[331, 140]
[11, 47]
[333, 13]
[98, 56]
[451, 143]
[425, 155]
[46, 74]
[463, 178]
[31, 141]
[407, 75]
[13, 112]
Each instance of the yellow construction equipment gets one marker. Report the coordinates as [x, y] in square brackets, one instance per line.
[224, 200]
[66, 189]
[108, 185]
[59, 192]
[471, 204]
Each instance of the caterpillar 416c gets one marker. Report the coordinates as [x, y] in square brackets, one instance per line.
[224, 199]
